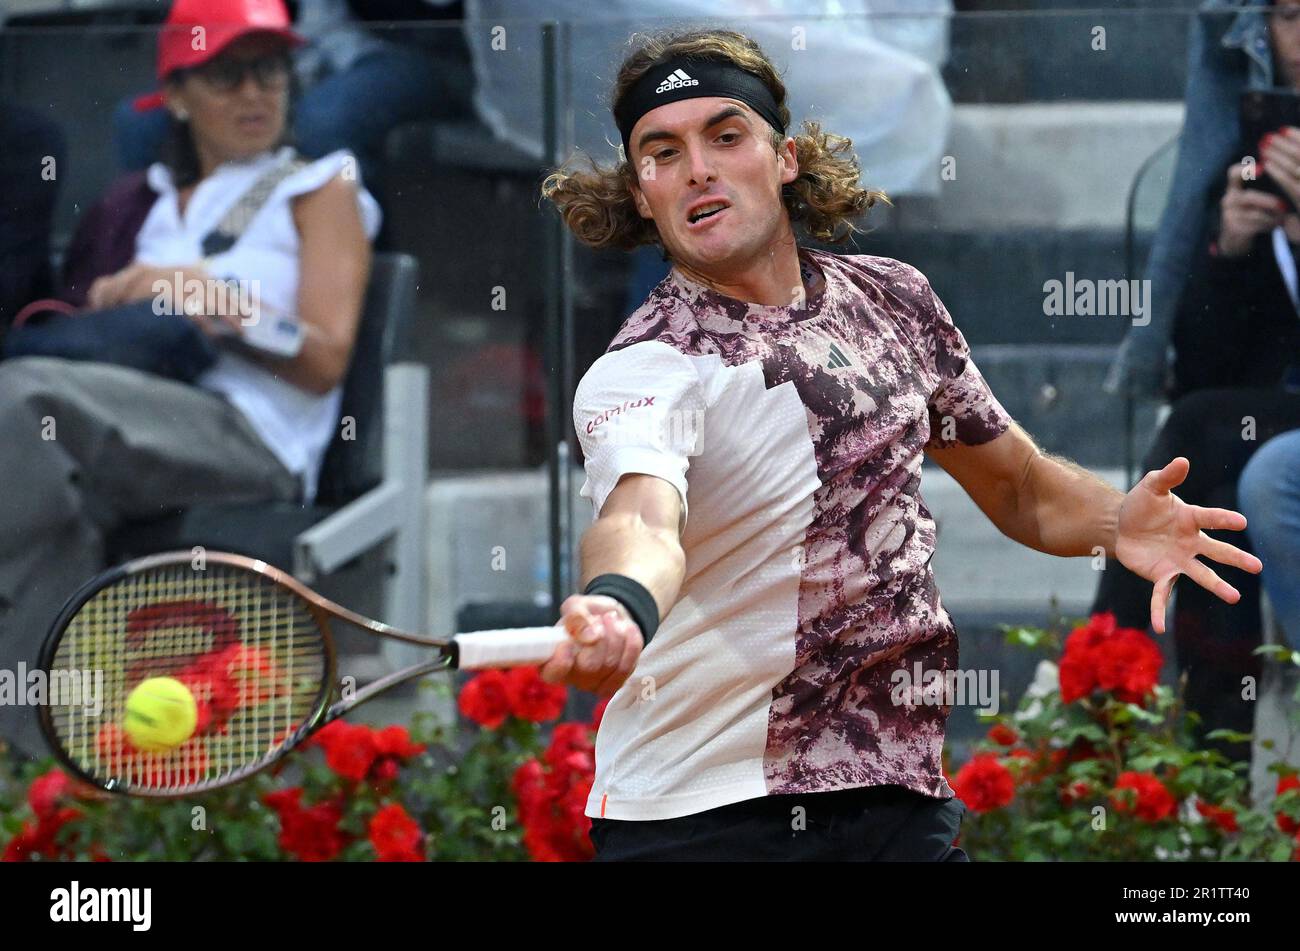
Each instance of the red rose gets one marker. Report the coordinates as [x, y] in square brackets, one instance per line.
[541, 843]
[1077, 678]
[568, 738]
[395, 836]
[1285, 822]
[40, 839]
[1128, 665]
[486, 699]
[1100, 655]
[284, 800]
[395, 741]
[385, 771]
[529, 787]
[323, 737]
[1153, 801]
[310, 835]
[984, 784]
[552, 796]
[43, 793]
[351, 750]
[1225, 819]
[532, 698]
[1003, 735]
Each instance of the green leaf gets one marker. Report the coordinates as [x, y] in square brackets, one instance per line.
[1231, 736]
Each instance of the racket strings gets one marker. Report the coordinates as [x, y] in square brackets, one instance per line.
[249, 651]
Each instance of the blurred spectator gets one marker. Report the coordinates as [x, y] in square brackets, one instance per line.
[1235, 384]
[1228, 52]
[1270, 500]
[31, 162]
[355, 85]
[89, 445]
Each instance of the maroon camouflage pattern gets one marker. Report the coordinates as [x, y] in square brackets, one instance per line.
[868, 603]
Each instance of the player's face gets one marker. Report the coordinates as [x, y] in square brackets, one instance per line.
[711, 155]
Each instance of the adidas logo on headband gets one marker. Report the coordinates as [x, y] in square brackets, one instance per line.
[676, 80]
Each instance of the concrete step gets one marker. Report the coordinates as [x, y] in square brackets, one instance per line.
[1045, 165]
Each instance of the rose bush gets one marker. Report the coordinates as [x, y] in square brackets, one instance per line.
[505, 784]
[1097, 763]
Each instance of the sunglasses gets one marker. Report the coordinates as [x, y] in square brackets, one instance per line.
[226, 74]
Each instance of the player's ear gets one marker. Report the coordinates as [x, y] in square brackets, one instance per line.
[642, 206]
[789, 158]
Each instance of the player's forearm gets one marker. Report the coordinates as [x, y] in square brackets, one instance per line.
[623, 544]
[1066, 509]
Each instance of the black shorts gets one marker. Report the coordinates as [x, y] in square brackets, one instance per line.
[867, 824]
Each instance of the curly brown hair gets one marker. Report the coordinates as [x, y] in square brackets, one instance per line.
[597, 204]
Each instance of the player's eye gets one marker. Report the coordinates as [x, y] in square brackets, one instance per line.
[663, 154]
[729, 138]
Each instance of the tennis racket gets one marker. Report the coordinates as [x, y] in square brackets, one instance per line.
[251, 644]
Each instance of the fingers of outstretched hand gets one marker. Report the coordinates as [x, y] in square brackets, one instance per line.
[1209, 579]
[1224, 519]
[1160, 601]
[1226, 554]
[1171, 476]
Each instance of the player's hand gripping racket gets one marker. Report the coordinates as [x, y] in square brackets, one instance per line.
[237, 665]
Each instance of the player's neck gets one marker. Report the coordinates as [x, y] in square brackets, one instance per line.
[771, 278]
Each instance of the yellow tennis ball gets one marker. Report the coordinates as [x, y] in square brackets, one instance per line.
[160, 715]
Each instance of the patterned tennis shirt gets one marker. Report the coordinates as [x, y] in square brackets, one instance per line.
[795, 437]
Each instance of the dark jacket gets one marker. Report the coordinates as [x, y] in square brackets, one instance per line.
[1235, 325]
[105, 238]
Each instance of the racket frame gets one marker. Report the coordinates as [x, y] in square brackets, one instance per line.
[323, 711]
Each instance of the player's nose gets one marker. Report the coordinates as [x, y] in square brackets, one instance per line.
[701, 165]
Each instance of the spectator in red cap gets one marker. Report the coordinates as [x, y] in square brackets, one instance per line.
[352, 85]
[267, 254]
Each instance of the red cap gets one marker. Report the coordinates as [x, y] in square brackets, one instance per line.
[198, 30]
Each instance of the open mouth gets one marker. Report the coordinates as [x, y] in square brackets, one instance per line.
[706, 211]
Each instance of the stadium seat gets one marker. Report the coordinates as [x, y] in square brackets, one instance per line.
[372, 478]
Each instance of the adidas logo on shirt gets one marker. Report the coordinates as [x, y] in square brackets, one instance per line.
[676, 80]
[838, 360]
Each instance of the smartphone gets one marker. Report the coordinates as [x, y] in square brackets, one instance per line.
[1264, 111]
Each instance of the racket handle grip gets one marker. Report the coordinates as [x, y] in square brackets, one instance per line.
[511, 647]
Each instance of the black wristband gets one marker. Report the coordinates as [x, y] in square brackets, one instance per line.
[639, 602]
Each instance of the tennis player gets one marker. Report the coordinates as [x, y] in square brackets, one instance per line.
[759, 568]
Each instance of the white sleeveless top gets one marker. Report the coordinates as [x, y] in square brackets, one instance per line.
[295, 424]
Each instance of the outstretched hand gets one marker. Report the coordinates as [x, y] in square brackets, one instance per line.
[1160, 535]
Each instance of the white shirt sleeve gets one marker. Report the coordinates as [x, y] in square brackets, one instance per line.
[641, 410]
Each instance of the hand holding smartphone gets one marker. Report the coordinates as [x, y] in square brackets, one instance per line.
[1267, 113]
